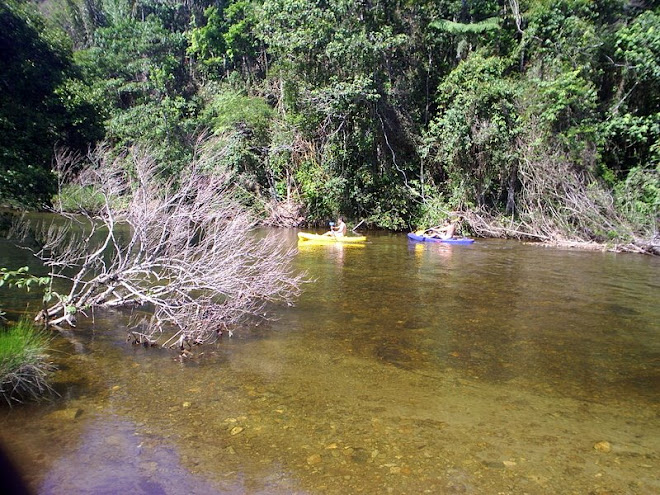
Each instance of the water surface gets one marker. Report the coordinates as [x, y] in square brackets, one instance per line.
[404, 368]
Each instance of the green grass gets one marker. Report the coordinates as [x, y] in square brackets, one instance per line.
[24, 366]
[74, 199]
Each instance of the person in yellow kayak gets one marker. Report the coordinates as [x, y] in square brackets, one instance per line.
[338, 230]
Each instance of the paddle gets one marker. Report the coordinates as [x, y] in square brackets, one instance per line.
[361, 222]
[427, 231]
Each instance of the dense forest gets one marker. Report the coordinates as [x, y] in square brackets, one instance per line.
[533, 119]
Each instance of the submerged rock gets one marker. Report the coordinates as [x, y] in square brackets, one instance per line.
[603, 446]
[66, 414]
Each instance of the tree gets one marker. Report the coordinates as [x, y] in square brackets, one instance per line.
[34, 63]
[242, 125]
[631, 132]
[340, 70]
[136, 73]
[207, 43]
[188, 252]
[473, 135]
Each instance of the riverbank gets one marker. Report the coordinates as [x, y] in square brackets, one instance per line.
[652, 249]
[287, 215]
[620, 236]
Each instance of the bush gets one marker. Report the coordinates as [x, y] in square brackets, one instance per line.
[434, 211]
[24, 369]
[639, 197]
[74, 198]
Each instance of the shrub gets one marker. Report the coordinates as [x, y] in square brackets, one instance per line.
[639, 197]
[434, 211]
[24, 366]
[74, 197]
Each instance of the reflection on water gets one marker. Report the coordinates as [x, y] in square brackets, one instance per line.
[405, 368]
[132, 463]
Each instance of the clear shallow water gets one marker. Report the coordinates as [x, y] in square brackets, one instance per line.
[404, 368]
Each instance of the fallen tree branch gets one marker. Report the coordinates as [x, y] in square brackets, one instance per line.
[188, 250]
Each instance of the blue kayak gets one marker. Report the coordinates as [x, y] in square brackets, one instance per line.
[454, 240]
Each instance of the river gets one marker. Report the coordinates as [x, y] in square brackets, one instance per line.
[494, 368]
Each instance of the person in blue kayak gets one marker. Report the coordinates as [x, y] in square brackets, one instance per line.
[445, 232]
[339, 229]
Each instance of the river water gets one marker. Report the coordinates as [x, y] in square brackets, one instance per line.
[404, 368]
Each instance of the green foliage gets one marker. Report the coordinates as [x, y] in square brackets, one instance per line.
[242, 124]
[34, 60]
[230, 110]
[74, 198]
[566, 107]
[639, 196]
[387, 203]
[433, 211]
[79, 19]
[639, 46]
[476, 25]
[165, 126]
[631, 132]
[564, 102]
[329, 103]
[490, 24]
[21, 278]
[630, 140]
[321, 192]
[138, 61]
[562, 34]
[296, 33]
[80, 119]
[474, 132]
[135, 74]
[24, 366]
[239, 37]
[338, 64]
[207, 42]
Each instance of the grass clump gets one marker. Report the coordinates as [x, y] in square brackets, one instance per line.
[74, 198]
[24, 366]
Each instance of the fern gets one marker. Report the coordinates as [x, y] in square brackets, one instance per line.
[490, 24]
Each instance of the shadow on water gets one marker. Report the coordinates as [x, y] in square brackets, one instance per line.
[132, 463]
[405, 368]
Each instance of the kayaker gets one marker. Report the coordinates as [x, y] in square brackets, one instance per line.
[338, 230]
[446, 232]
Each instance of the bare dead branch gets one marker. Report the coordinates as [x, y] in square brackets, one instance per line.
[190, 252]
[559, 203]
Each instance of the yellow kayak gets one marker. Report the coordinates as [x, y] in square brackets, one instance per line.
[304, 236]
